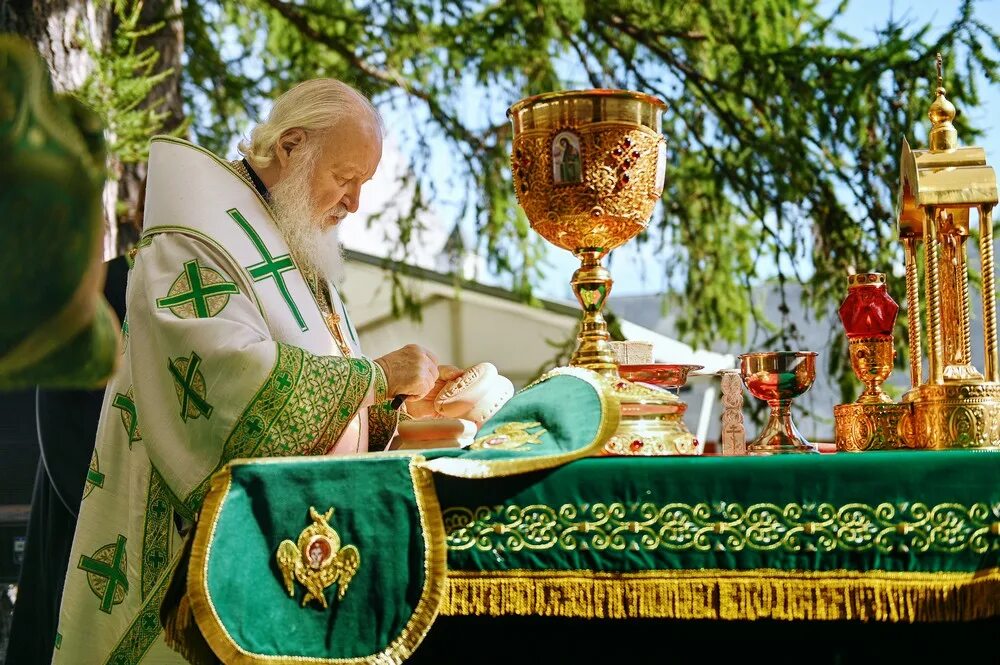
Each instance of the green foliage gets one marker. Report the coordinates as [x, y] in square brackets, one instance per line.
[120, 82]
[783, 133]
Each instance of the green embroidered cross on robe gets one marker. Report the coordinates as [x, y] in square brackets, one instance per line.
[227, 354]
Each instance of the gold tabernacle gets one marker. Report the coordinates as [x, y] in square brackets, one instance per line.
[956, 405]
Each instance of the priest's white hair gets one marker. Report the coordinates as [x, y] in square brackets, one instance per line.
[314, 106]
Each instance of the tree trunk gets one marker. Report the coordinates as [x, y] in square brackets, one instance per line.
[169, 43]
[58, 29]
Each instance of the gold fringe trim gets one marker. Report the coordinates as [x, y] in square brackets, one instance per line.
[725, 594]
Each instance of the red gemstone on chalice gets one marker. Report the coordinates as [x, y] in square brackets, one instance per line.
[635, 446]
[868, 310]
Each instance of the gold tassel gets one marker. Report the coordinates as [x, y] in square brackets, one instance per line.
[180, 630]
[724, 594]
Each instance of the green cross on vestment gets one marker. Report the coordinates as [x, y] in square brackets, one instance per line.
[130, 419]
[112, 573]
[191, 288]
[271, 267]
[95, 478]
[190, 387]
[254, 426]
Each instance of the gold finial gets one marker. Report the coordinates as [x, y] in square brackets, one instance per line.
[943, 134]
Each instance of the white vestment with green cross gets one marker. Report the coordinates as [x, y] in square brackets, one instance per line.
[227, 354]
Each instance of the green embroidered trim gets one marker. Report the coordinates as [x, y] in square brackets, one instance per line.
[270, 267]
[382, 418]
[727, 527]
[302, 409]
[144, 630]
[189, 383]
[94, 476]
[198, 292]
[107, 573]
[125, 403]
[58, 640]
[124, 335]
[156, 533]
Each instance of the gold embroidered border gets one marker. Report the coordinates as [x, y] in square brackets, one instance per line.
[435, 567]
[301, 409]
[155, 533]
[727, 594]
[145, 628]
[491, 468]
[916, 527]
[382, 418]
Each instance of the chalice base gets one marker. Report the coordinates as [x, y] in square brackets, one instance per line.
[780, 436]
[652, 424]
[953, 415]
[859, 427]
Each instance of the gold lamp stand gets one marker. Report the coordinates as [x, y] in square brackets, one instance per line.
[588, 171]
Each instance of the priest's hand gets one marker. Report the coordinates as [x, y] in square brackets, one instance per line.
[411, 371]
[424, 408]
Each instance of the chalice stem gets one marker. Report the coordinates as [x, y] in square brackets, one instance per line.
[781, 417]
[592, 284]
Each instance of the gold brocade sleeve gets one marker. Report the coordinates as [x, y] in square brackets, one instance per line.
[301, 409]
[382, 418]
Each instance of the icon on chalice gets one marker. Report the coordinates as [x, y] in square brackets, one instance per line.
[588, 169]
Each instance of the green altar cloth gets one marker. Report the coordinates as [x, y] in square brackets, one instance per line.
[896, 537]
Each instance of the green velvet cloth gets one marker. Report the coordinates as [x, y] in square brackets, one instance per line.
[58, 329]
[571, 414]
[891, 511]
[376, 511]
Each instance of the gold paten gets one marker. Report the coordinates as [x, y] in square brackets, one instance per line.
[588, 169]
[318, 561]
[956, 406]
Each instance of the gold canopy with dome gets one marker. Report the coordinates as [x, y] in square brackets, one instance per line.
[956, 405]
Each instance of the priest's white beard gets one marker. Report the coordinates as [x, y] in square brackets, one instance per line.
[309, 236]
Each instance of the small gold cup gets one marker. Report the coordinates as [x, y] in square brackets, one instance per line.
[778, 377]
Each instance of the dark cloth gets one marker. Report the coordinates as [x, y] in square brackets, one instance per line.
[258, 184]
[67, 429]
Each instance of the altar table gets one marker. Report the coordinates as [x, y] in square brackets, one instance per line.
[603, 557]
[820, 558]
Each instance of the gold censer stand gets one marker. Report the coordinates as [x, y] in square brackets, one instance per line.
[588, 171]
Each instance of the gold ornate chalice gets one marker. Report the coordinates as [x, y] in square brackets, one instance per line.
[778, 377]
[588, 169]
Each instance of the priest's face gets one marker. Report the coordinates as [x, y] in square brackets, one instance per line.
[319, 183]
[348, 155]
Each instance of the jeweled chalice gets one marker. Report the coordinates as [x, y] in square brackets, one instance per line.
[588, 168]
[778, 377]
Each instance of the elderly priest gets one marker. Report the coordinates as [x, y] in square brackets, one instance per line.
[236, 344]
